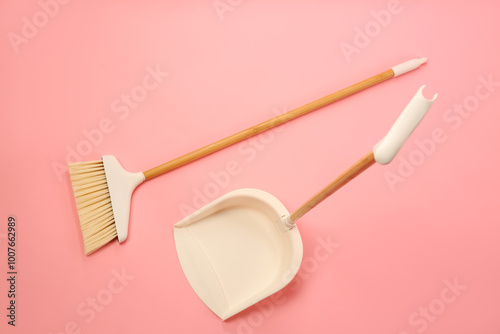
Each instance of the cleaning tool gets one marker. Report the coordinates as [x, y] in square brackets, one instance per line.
[103, 189]
[245, 246]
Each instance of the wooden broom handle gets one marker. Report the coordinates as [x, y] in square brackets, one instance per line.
[335, 185]
[187, 158]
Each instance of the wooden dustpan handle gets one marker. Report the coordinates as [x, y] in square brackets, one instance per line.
[353, 171]
[383, 152]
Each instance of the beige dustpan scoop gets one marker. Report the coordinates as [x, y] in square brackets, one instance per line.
[245, 246]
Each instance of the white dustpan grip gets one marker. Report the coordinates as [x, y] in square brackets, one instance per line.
[382, 153]
[386, 149]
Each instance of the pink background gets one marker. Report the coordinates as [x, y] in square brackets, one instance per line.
[395, 247]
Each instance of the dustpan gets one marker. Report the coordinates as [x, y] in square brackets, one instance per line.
[245, 246]
[248, 261]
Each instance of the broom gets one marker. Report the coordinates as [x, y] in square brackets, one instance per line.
[103, 189]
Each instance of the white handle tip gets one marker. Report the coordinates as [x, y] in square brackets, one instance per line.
[408, 66]
[420, 92]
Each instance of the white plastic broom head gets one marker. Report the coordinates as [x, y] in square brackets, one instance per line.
[121, 185]
[386, 149]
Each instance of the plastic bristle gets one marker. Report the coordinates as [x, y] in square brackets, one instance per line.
[93, 204]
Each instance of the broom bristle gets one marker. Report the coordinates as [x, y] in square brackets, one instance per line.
[93, 204]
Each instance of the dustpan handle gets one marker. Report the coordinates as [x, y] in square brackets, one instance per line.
[360, 166]
[383, 152]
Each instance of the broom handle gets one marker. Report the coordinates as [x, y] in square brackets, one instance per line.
[353, 171]
[187, 158]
